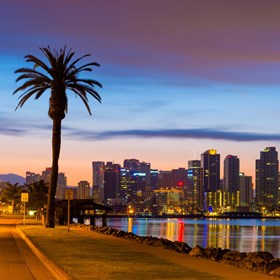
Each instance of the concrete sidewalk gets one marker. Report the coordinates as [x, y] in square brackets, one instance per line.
[17, 261]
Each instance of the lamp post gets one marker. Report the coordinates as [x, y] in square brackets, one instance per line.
[68, 196]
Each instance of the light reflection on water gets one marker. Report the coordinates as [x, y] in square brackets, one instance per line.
[248, 235]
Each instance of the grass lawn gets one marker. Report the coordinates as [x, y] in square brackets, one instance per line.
[85, 257]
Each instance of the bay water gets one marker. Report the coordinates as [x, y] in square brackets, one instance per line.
[244, 235]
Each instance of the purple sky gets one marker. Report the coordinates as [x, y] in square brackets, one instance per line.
[180, 77]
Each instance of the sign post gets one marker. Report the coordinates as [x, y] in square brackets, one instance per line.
[68, 196]
[24, 198]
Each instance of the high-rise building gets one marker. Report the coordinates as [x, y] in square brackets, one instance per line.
[154, 179]
[179, 178]
[61, 182]
[46, 175]
[220, 199]
[231, 174]
[124, 186]
[32, 177]
[61, 186]
[214, 201]
[140, 182]
[165, 179]
[267, 168]
[111, 182]
[132, 185]
[131, 164]
[98, 169]
[210, 162]
[246, 189]
[194, 194]
[145, 167]
[83, 190]
[168, 200]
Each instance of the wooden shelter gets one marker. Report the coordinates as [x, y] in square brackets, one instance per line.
[81, 209]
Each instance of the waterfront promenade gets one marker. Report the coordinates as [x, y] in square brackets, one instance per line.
[89, 255]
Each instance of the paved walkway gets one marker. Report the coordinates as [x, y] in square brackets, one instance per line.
[17, 261]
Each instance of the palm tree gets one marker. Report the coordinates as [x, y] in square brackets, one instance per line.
[11, 192]
[60, 75]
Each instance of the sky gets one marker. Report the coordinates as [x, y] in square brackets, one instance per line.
[179, 77]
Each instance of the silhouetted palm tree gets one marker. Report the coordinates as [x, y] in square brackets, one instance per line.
[12, 193]
[60, 75]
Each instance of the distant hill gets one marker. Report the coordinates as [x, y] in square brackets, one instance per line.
[12, 178]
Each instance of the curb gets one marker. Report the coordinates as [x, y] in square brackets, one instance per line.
[57, 272]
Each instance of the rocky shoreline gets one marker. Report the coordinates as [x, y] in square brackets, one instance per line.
[262, 262]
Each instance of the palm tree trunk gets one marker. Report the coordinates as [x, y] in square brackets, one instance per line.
[56, 143]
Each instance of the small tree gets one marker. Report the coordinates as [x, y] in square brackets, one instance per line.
[38, 196]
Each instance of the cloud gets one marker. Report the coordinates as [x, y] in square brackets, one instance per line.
[187, 39]
[13, 132]
[9, 126]
[177, 134]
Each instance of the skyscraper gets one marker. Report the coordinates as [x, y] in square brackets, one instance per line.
[131, 164]
[231, 174]
[164, 179]
[111, 182]
[246, 189]
[98, 168]
[61, 186]
[154, 178]
[32, 177]
[61, 182]
[83, 190]
[267, 194]
[195, 193]
[132, 185]
[145, 167]
[178, 178]
[210, 162]
[98, 173]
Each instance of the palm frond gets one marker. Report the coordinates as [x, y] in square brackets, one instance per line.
[33, 89]
[77, 60]
[33, 76]
[37, 62]
[25, 97]
[83, 90]
[90, 82]
[52, 60]
[82, 68]
[68, 58]
[58, 73]
[84, 100]
[30, 84]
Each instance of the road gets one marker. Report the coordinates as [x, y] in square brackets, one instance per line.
[17, 260]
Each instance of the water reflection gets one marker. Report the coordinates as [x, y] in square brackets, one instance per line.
[181, 228]
[241, 235]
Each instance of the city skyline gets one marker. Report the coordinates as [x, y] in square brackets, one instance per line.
[179, 78]
[221, 169]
